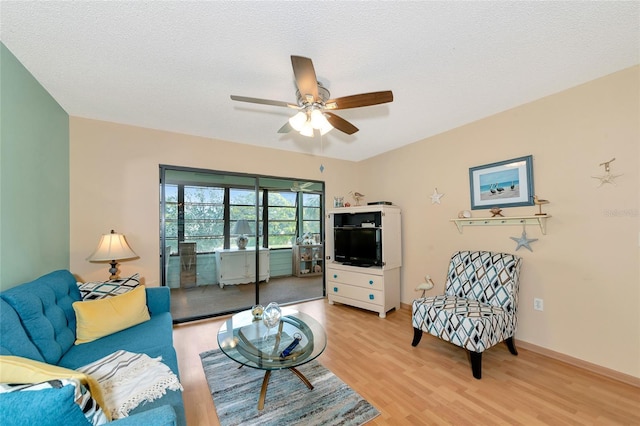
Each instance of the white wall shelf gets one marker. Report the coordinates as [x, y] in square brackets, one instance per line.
[540, 220]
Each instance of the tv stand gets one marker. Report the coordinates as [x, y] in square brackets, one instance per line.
[371, 287]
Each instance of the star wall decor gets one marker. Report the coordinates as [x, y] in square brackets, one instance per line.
[435, 197]
[607, 178]
[523, 241]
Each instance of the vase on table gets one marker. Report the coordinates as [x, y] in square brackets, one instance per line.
[271, 317]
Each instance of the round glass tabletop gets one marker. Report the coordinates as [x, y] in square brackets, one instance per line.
[295, 340]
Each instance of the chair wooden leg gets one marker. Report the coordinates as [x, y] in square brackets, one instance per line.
[476, 364]
[511, 345]
[417, 335]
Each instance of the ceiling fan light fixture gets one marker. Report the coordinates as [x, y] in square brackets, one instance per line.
[298, 120]
[317, 119]
[307, 129]
[326, 129]
[320, 122]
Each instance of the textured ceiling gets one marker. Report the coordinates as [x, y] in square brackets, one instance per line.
[172, 65]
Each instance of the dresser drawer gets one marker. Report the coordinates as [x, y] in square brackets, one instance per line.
[368, 281]
[368, 295]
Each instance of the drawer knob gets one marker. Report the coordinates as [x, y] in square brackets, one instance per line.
[371, 297]
[335, 275]
[335, 289]
[371, 282]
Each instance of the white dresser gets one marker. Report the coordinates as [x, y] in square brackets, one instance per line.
[239, 266]
[375, 288]
[372, 288]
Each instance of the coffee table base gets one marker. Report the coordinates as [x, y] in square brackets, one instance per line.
[265, 383]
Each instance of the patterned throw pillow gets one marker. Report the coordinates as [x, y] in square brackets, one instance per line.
[102, 289]
[90, 408]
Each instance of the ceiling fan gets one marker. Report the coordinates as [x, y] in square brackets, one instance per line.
[301, 187]
[314, 103]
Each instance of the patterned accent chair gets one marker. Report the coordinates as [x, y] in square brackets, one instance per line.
[478, 309]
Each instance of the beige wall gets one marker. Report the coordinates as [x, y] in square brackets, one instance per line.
[115, 184]
[586, 269]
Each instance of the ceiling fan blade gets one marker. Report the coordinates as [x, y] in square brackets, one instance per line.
[263, 101]
[305, 76]
[362, 100]
[286, 128]
[340, 123]
[301, 187]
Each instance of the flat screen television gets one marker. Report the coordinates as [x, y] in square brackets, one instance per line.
[358, 246]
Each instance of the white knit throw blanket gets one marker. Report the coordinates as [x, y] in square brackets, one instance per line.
[128, 379]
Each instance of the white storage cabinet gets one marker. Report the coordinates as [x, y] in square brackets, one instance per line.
[375, 288]
[239, 266]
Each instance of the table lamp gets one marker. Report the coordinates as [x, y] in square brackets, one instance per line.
[111, 248]
[242, 228]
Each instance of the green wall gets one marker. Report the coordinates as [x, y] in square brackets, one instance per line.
[34, 177]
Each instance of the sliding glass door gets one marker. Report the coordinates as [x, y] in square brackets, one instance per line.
[228, 240]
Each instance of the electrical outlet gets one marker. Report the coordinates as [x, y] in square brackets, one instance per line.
[538, 304]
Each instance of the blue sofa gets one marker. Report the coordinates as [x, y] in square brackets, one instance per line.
[37, 321]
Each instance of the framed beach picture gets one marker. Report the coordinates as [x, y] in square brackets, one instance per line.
[504, 184]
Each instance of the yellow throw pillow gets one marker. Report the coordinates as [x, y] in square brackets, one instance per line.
[15, 369]
[99, 318]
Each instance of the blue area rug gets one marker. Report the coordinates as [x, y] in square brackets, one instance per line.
[235, 393]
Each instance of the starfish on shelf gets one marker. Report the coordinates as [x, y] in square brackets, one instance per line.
[496, 212]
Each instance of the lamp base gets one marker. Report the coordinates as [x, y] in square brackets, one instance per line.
[113, 270]
[242, 241]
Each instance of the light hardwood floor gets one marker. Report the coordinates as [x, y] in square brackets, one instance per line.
[431, 383]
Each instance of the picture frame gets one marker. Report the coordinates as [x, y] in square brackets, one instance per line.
[506, 183]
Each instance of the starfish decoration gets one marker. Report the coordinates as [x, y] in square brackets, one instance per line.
[523, 241]
[435, 197]
[607, 178]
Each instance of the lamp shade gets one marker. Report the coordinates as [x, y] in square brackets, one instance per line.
[298, 120]
[307, 129]
[318, 120]
[324, 125]
[242, 227]
[112, 246]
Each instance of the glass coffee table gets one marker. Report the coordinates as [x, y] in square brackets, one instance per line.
[248, 341]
